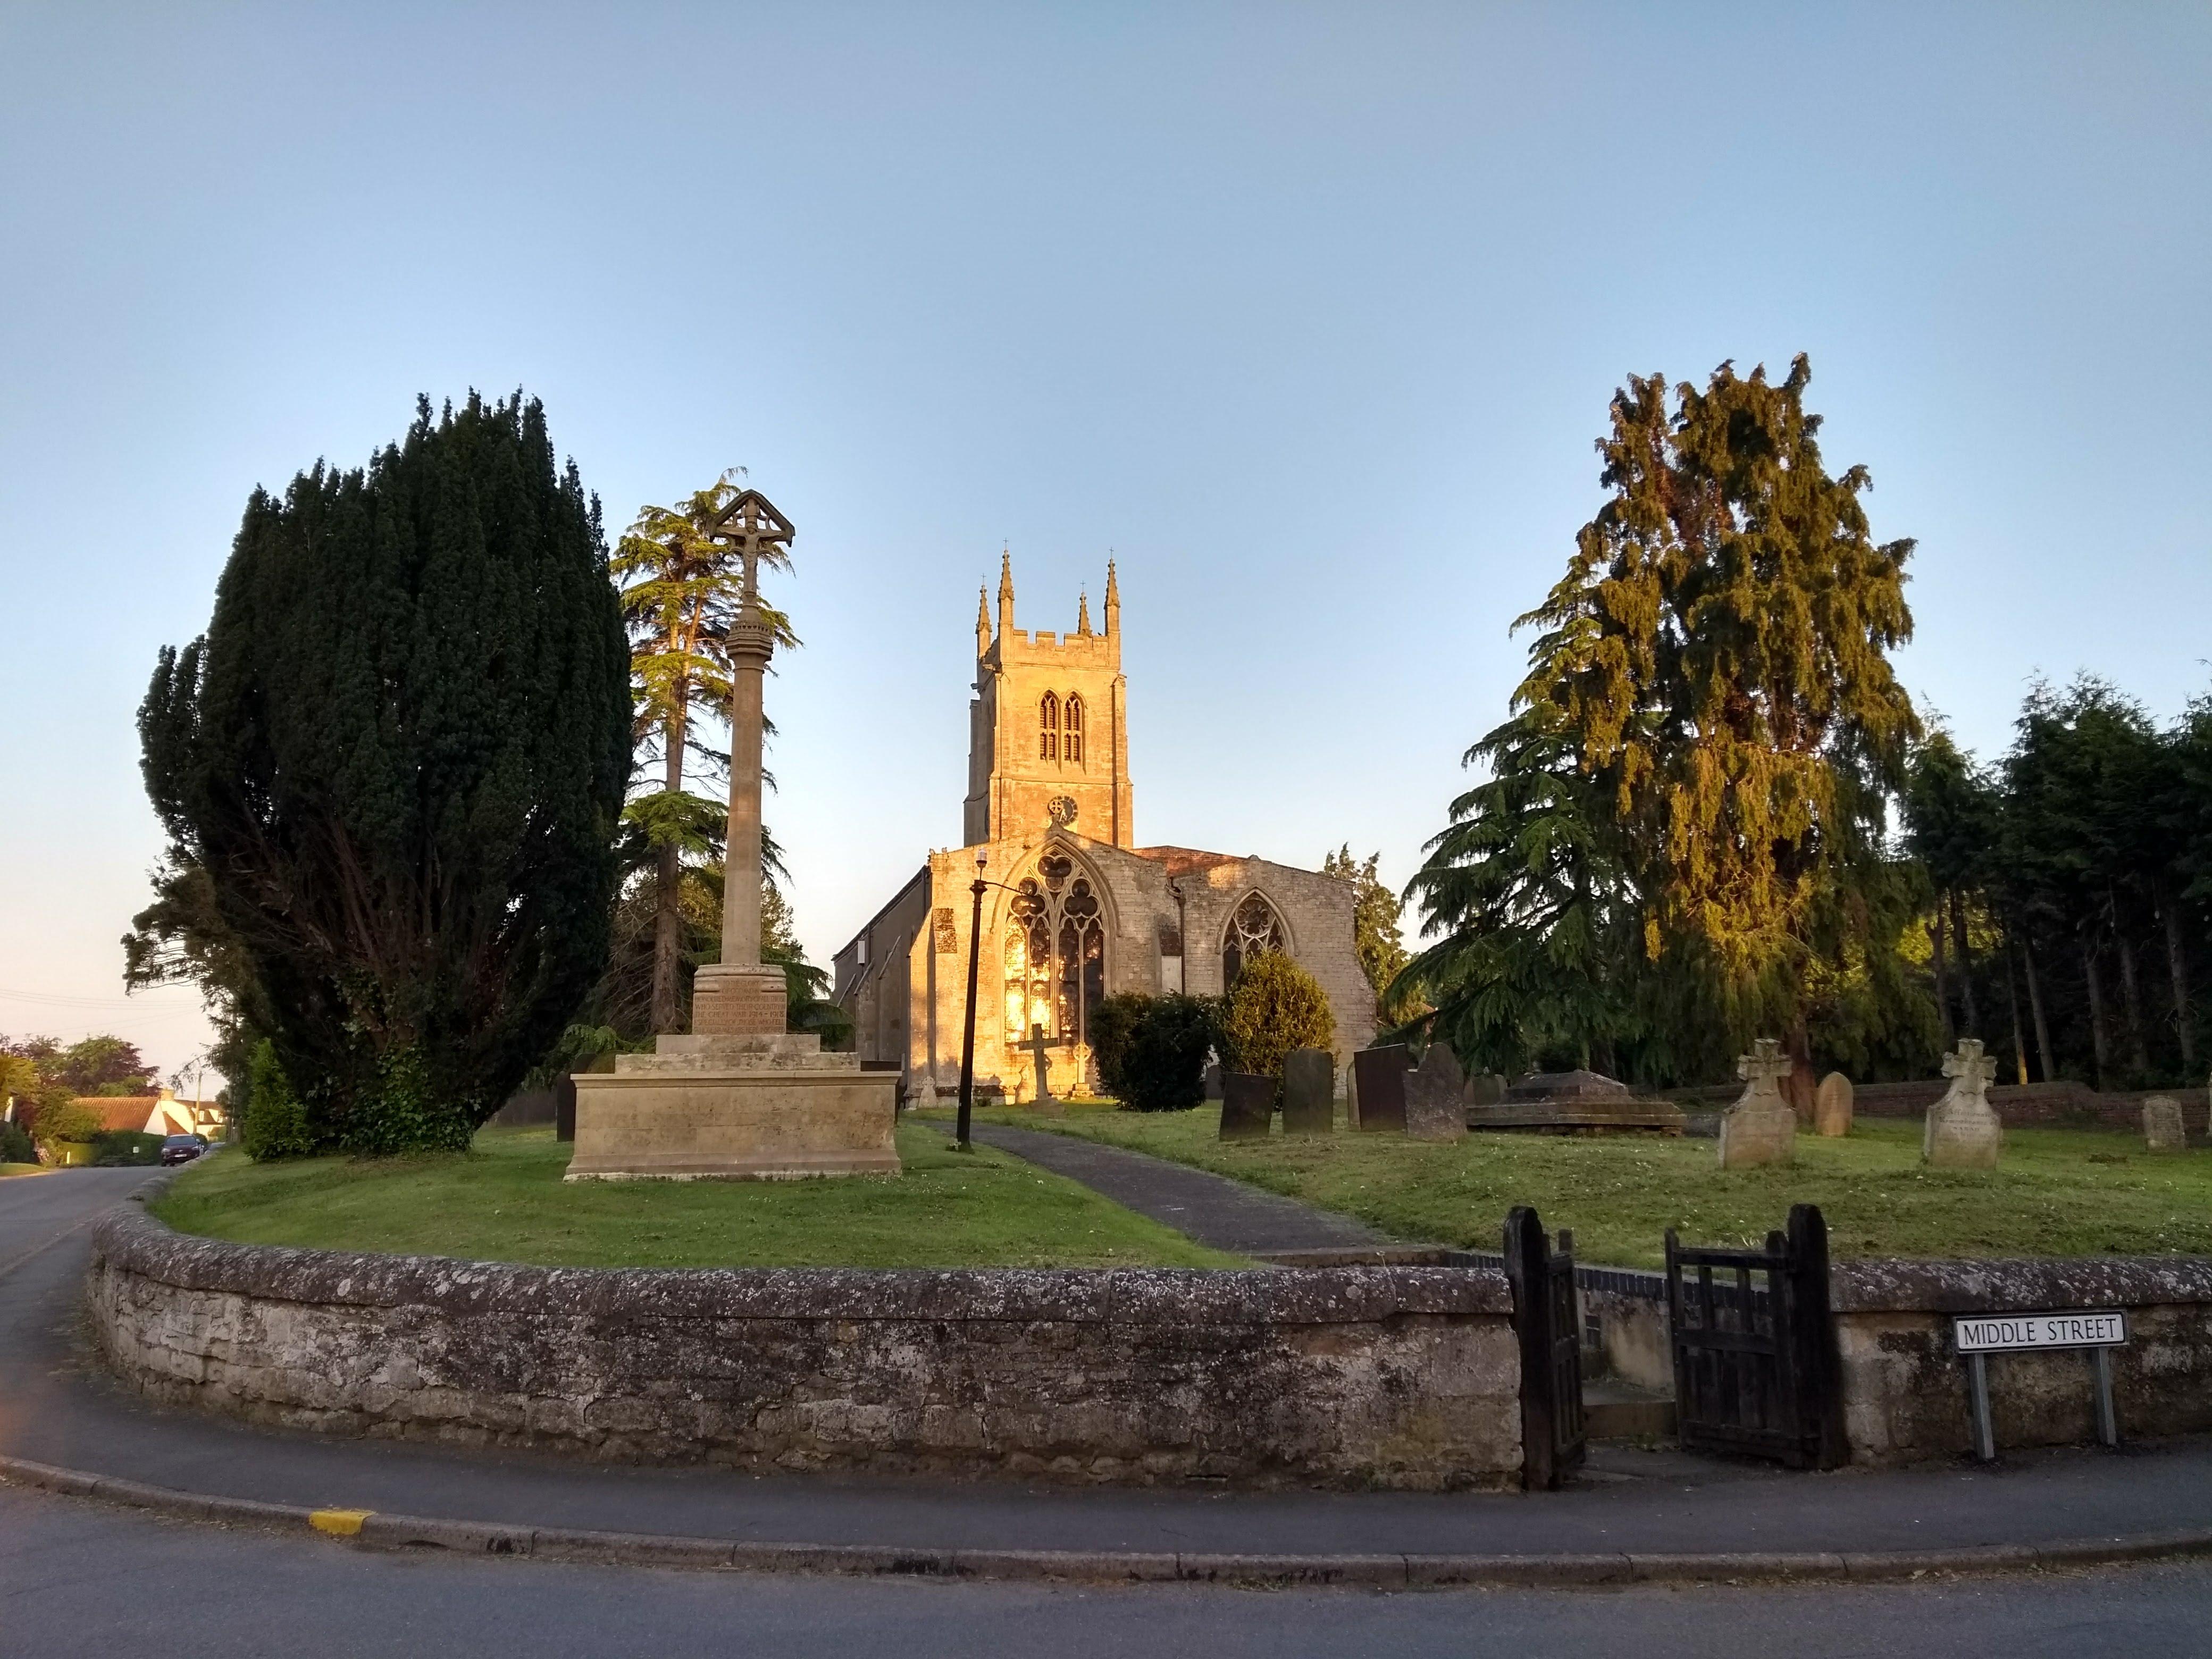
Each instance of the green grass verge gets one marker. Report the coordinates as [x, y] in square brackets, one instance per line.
[504, 1201]
[2058, 1191]
[6, 1169]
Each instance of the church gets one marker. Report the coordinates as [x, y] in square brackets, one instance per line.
[1075, 911]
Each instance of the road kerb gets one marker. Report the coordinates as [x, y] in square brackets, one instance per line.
[380, 1530]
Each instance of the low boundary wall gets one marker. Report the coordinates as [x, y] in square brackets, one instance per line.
[1378, 1376]
[1905, 1384]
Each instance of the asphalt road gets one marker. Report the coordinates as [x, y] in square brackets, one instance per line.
[76, 1578]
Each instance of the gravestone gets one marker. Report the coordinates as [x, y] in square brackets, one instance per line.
[2163, 1129]
[1831, 1106]
[1211, 1077]
[1760, 1127]
[1485, 1089]
[1248, 1104]
[1309, 1085]
[1352, 1097]
[1039, 1049]
[1962, 1131]
[1435, 1096]
[1381, 1076]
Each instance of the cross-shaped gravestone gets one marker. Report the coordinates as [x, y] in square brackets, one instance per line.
[1038, 1047]
[1963, 1131]
[1760, 1128]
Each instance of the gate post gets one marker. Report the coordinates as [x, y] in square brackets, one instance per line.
[1528, 1267]
[1820, 1365]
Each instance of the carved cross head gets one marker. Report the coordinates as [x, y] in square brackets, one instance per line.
[755, 530]
[1973, 1070]
[1765, 1064]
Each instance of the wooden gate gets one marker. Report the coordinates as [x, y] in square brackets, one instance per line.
[1544, 1317]
[1755, 1367]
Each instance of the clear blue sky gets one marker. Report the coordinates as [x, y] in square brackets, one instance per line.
[1310, 313]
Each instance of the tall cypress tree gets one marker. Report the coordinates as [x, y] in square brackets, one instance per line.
[397, 757]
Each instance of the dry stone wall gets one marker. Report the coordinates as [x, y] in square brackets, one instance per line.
[1403, 1377]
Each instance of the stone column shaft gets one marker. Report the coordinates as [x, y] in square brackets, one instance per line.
[750, 644]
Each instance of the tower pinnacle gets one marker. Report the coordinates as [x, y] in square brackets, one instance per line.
[1113, 600]
[982, 621]
[1006, 593]
[1083, 615]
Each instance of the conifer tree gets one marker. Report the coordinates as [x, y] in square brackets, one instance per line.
[397, 757]
[1719, 651]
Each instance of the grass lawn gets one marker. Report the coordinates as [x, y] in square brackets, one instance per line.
[6, 1169]
[504, 1201]
[2058, 1191]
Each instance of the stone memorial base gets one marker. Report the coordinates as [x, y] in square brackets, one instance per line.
[728, 1001]
[708, 1107]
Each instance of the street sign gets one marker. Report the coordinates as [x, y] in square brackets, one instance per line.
[2010, 1333]
[1980, 1335]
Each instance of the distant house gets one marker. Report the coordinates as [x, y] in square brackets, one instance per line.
[156, 1115]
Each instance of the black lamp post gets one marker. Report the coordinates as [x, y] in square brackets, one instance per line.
[968, 1035]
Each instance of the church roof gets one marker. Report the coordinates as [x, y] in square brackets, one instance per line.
[1182, 861]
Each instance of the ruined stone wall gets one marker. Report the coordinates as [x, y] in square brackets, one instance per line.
[1905, 1384]
[1386, 1376]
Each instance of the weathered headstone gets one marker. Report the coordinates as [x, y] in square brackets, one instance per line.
[1352, 1097]
[1309, 1085]
[1248, 1104]
[1963, 1132]
[1831, 1106]
[1211, 1077]
[2163, 1129]
[1382, 1083]
[1435, 1096]
[1485, 1089]
[1760, 1127]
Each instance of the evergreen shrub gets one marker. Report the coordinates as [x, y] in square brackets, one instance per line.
[276, 1121]
[16, 1146]
[1274, 1006]
[1151, 1050]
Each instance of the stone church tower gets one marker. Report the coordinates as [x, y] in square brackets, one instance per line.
[1074, 911]
[1048, 730]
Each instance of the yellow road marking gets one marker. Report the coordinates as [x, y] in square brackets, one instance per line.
[340, 1524]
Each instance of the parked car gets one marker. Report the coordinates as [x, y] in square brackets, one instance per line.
[182, 1149]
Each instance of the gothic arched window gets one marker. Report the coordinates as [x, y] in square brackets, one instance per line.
[1055, 954]
[1072, 724]
[1254, 927]
[1049, 728]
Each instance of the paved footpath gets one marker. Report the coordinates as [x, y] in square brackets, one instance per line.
[53, 1410]
[1217, 1211]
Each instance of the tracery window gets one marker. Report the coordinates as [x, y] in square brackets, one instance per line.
[1254, 927]
[1049, 728]
[1055, 954]
[1073, 725]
